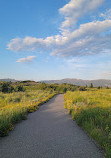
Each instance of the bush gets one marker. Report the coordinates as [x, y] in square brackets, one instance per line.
[20, 89]
[7, 88]
[82, 89]
[65, 90]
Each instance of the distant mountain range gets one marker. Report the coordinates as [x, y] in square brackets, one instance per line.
[80, 82]
[8, 80]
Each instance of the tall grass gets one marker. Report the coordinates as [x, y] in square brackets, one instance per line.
[15, 107]
[92, 111]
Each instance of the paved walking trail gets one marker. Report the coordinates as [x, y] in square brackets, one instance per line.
[48, 133]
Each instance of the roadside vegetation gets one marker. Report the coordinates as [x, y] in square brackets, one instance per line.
[15, 107]
[89, 106]
[92, 111]
[20, 98]
[16, 101]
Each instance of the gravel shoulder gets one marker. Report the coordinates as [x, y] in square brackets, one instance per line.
[49, 133]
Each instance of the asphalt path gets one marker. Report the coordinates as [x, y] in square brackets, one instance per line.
[49, 133]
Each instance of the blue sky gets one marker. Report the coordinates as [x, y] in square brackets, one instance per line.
[55, 39]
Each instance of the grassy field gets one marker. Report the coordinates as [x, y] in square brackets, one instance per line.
[92, 111]
[19, 98]
[90, 107]
[15, 107]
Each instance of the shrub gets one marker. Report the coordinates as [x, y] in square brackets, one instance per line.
[7, 88]
[20, 89]
[82, 89]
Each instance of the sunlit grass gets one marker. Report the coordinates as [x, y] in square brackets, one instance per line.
[92, 110]
[15, 106]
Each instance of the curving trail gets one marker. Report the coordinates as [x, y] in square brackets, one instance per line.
[49, 133]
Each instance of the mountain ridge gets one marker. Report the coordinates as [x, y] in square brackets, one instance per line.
[8, 80]
[81, 82]
[74, 81]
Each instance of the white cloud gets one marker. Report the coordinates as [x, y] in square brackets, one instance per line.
[87, 40]
[27, 59]
[26, 44]
[90, 38]
[106, 15]
[76, 9]
[89, 48]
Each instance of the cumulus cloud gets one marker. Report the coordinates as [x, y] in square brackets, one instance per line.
[89, 38]
[26, 44]
[86, 40]
[75, 9]
[87, 46]
[27, 59]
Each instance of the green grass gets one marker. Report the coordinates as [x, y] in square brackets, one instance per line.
[14, 107]
[92, 111]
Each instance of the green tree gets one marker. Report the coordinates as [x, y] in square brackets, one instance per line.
[65, 90]
[91, 85]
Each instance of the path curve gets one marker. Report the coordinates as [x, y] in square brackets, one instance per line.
[48, 133]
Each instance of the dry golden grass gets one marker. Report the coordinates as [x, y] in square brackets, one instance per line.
[15, 106]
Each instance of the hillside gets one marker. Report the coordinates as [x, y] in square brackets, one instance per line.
[80, 82]
[8, 80]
